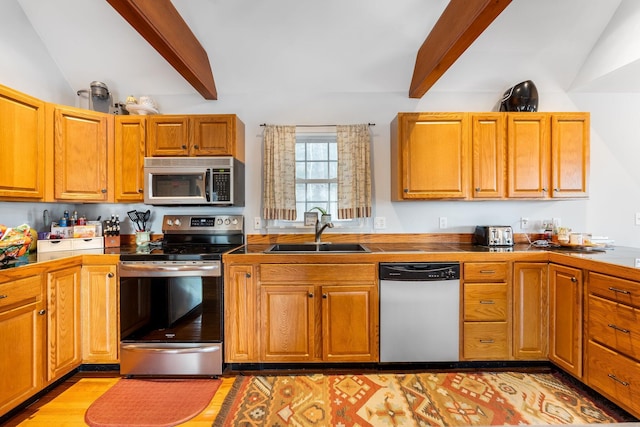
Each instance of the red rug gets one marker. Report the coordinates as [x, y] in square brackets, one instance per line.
[151, 402]
[422, 399]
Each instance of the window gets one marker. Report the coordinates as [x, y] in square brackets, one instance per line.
[316, 173]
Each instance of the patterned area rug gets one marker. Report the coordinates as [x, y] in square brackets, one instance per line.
[151, 402]
[416, 399]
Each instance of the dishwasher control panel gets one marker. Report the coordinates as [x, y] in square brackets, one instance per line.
[423, 271]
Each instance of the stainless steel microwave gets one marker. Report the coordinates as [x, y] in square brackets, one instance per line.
[217, 181]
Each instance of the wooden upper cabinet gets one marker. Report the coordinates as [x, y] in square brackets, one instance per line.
[82, 155]
[22, 144]
[570, 145]
[195, 135]
[429, 156]
[488, 150]
[528, 155]
[130, 137]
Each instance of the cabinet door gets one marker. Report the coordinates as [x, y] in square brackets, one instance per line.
[488, 155]
[63, 317]
[100, 305]
[288, 329]
[83, 155]
[214, 135]
[349, 323]
[168, 136]
[528, 155]
[565, 318]
[432, 156]
[22, 144]
[22, 328]
[570, 155]
[130, 137]
[530, 310]
[240, 296]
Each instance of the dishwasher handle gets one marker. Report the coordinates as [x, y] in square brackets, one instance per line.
[420, 271]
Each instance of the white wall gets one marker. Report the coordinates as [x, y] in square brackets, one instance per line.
[615, 178]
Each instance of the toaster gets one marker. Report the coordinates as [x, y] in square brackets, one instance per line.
[493, 235]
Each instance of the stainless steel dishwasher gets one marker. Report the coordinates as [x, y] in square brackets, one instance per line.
[419, 312]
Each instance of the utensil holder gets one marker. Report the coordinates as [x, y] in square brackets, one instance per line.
[143, 238]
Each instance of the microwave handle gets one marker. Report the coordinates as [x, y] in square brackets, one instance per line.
[208, 184]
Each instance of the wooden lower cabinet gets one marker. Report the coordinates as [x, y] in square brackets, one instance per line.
[565, 318]
[100, 307]
[486, 311]
[301, 313]
[612, 355]
[22, 328]
[240, 313]
[530, 311]
[63, 322]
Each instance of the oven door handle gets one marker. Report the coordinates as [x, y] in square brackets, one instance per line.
[200, 349]
[155, 270]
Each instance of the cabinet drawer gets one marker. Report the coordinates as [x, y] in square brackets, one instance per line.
[485, 271]
[485, 301]
[619, 290]
[307, 273]
[20, 292]
[616, 376]
[615, 325]
[486, 340]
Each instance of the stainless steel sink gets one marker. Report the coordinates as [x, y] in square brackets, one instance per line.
[317, 248]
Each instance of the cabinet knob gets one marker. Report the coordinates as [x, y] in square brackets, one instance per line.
[196, 147]
[110, 275]
[103, 191]
[310, 295]
[248, 275]
[544, 189]
[406, 190]
[477, 188]
[42, 312]
[4, 296]
[574, 280]
[184, 147]
[557, 190]
[324, 296]
[140, 190]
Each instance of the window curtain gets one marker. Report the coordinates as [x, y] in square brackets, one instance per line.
[279, 169]
[354, 171]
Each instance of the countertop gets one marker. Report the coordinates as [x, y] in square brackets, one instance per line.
[619, 255]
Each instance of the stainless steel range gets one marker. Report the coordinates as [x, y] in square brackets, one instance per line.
[171, 298]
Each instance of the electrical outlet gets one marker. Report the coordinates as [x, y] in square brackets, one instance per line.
[257, 223]
[637, 218]
[443, 221]
[524, 223]
[380, 223]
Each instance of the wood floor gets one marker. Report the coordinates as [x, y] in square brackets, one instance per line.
[66, 404]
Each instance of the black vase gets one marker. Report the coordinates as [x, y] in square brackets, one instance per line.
[521, 97]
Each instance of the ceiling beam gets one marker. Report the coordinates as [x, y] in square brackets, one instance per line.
[161, 25]
[458, 27]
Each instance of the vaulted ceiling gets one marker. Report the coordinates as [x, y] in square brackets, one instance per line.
[342, 46]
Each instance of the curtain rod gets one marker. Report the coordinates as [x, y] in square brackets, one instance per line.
[317, 126]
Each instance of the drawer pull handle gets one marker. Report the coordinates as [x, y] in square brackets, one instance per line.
[487, 271]
[487, 341]
[487, 301]
[617, 328]
[4, 296]
[621, 291]
[613, 377]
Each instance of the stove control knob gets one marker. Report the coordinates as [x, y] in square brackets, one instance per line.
[234, 221]
[177, 222]
[219, 221]
[169, 222]
[227, 221]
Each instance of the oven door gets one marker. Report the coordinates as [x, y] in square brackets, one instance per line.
[171, 318]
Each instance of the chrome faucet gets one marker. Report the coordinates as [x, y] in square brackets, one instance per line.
[321, 228]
